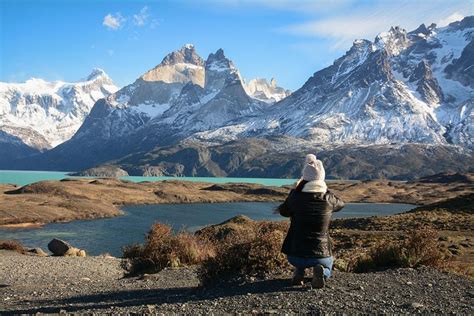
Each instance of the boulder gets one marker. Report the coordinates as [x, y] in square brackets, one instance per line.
[59, 247]
[38, 251]
[75, 252]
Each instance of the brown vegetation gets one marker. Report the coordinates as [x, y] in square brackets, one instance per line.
[420, 248]
[163, 249]
[70, 199]
[243, 248]
[12, 245]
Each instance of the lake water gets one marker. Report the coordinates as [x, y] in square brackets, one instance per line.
[20, 177]
[110, 234]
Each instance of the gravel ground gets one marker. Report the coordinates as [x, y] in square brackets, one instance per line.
[31, 284]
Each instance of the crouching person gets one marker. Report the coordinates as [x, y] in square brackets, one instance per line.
[310, 206]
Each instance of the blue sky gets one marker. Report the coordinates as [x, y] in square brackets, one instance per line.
[288, 40]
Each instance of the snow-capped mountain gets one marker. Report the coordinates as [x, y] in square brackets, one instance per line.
[405, 95]
[44, 114]
[182, 95]
[259, 88]
[405, 87]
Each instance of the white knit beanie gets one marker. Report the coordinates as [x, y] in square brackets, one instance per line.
[313, 169]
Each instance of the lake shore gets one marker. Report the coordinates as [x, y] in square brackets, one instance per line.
[76, 199]
[97, 285]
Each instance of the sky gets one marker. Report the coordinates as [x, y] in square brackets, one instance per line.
[281, 39]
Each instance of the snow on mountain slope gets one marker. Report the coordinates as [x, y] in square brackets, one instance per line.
[261, 90]
[44, 114]
[223, 99]
[183, 93]
[149, 96]
[414, 87]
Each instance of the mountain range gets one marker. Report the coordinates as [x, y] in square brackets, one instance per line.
[396, 107]
[38, 115]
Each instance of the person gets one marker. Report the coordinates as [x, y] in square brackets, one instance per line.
[310, 206]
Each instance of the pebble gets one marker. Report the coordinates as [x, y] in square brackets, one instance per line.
[416, 305]
[109, 293]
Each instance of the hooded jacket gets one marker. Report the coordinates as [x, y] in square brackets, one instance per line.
[310, 214]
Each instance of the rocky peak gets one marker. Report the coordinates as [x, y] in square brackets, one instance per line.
[220, 71]
[218, 62]
[96, 73]
[422, 71]
[260, 89]
[427, 85]
[181, 66]
[467, 22]
[273, 83]
[394, 41]
[186, 54]
[423, 30]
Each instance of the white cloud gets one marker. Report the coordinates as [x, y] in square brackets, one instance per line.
[305, 6]
[456, 16]
[113, 22]
[366, 21]
[141, 18]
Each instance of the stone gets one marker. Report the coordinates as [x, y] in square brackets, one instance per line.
[416, 305]
[38, 251]
[59, 247]
[72, 252]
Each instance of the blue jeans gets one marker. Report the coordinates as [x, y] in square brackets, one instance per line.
[302, 263]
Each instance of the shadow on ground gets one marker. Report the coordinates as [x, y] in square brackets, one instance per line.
[132, 298]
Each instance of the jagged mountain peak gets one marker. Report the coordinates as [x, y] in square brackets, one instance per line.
[269, 92]
[466, 22]
[181, 66]
[186, 54]
[394, 41]
[220, 71]
[218, 61]
[44, 114]
[96, 73]
[424, 30]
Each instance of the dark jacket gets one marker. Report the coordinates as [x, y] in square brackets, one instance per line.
[310, 214]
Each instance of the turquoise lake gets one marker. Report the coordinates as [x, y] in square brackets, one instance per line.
[20, 177]
[111, 234]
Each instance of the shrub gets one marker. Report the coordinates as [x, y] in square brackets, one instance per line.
[254, 254]
[420, 248]
[163, 249]
[12, 245]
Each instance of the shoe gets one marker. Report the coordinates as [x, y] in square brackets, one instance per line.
[318, 281]
[298, 278]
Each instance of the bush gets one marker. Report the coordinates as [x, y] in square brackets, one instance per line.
[163, 249]
[12, 245]
[254, 254]
[420, 248]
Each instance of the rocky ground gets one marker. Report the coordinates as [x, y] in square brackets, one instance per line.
[31, 284]
[71, 199]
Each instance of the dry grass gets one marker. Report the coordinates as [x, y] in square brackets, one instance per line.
[244, 253]
[12, 245]
[420, 248]
[163, 249]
